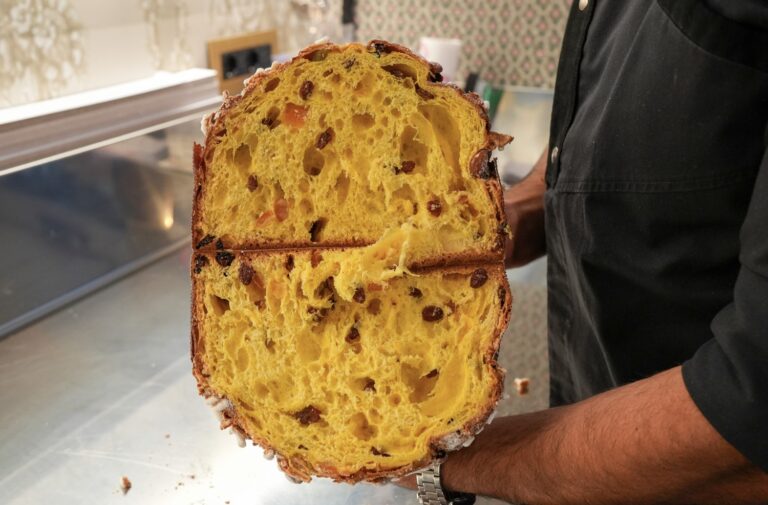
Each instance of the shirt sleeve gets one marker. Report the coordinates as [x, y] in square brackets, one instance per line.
[728, 376]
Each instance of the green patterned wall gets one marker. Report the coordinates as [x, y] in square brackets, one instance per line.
[510, 41]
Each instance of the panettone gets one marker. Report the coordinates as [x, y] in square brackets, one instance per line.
[348, 282]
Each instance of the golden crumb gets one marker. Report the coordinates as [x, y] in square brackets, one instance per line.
[522, 383]
[125, 484]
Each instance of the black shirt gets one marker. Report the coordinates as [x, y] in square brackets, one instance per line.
[657, 206]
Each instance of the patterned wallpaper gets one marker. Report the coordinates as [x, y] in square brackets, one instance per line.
[45, 32]
[508, 41]
[50, 48]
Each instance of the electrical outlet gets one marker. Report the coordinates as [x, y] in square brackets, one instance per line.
[245, 61]
[235, 58]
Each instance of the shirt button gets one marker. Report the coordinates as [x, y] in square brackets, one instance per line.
[553, 156]
[583, 4]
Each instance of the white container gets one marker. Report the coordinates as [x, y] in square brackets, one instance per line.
[446, 52]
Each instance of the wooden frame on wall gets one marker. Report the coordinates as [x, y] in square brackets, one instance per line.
[219, 47]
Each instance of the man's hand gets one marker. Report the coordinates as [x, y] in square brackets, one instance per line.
[645, 442]
[524, 207]
[408, 482]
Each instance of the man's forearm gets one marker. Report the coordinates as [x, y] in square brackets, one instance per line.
[642, 443]
[524, 206]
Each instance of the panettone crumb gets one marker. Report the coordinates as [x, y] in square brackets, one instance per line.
[361, 147]
[125, 484]
[522, 383]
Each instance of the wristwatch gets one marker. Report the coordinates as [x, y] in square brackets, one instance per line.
[431, 492]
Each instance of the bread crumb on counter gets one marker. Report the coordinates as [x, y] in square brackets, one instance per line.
[125, 484]
[522, 383]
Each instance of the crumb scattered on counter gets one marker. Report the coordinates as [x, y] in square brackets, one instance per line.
[522, 383]
[167, 435]
[125, 484]
[193, 476]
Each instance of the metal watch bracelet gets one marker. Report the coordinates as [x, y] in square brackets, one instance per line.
[431, 492]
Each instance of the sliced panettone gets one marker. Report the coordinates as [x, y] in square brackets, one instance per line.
[348, 283]
[343, 376]
[344, 143]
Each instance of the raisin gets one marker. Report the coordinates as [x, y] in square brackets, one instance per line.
[246, 273]
[353, 335]
[308, 415]
[378, 48]
[433, 373]
[224, 258]
[423, 93]
[289, 263]
[395, 72]
[315, 229]
[478, 278]
[348, 63]
[370, 385]
[302, 447]
[200, 262]
[414, 292]
[305, 91]
[205, 241]
[434, 207]
[219, 244]
[435, 72]
[253, 183]
[432, 313]
[271, 85]
[439, 454]
[359, 295]
[407, 167]
[317, 314]
[326, 288]
[281, 209]
[380, 452]
[324, 138]
[316, 258]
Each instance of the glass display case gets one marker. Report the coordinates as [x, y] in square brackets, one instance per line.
[75, 224]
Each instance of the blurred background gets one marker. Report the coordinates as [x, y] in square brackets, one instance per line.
[49, 48]
[100, 102]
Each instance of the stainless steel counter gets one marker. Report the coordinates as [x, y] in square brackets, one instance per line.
[103, 389]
